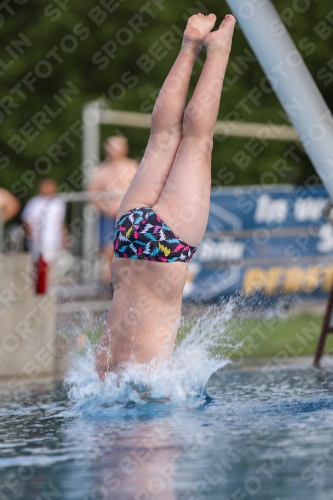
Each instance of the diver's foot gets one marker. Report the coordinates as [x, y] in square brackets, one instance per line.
[198, 26]
[221, 39]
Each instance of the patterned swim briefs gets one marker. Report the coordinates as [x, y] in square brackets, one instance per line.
[141, 234]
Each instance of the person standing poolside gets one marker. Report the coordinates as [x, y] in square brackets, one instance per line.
[9, 206]
[113, 176]
[163, 216]
[44, 219]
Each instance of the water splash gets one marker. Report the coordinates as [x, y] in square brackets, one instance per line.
[199, 353]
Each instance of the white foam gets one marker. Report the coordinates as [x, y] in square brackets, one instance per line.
[183, 377]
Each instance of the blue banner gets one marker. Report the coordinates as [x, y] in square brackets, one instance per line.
[267, 241]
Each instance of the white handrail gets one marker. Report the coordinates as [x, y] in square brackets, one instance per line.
[86, 196]
[222, 127]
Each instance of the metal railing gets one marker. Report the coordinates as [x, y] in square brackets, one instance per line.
[86, 196]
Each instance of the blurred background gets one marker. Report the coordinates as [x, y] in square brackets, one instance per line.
[89, 51]
[257, 287]
[59, 56]
[266, 235]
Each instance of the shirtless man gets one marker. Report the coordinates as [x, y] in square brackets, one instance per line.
[9, 205]
[114, 175]
[170, 194]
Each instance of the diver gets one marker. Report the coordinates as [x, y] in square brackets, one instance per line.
[163, 216]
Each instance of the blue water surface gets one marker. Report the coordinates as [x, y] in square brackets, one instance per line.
[250, 435]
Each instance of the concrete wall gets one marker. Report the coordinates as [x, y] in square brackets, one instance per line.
[27, 322]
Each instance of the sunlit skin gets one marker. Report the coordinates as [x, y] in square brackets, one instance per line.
[174, 178]
[9, 205]
[114, 175]
[48, 187]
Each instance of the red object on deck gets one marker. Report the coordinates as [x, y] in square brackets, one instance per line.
[41, 271]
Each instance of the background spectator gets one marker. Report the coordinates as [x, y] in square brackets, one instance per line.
[43, 217]
[9, 205]
[114, 175]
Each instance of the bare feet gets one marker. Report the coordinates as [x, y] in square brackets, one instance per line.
[221, 38]
[198, 26]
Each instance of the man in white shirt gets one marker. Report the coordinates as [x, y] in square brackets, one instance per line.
[43, 217]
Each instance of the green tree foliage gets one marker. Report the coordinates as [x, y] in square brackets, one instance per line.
[58, 56]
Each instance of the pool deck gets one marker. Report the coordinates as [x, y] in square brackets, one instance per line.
[276, 363]
[19, 384]
[39, 333]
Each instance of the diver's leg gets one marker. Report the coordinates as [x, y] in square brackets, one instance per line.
[167, 120]
[184, 201]
[109, 255]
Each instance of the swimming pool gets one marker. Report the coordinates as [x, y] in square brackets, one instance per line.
[201, 428]
[255, 435]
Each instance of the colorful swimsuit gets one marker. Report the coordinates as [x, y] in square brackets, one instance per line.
[141, 234]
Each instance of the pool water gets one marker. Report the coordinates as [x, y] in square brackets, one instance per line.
[258, 434]
[203, 430]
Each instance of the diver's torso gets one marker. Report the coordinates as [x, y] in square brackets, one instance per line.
[145, 310]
